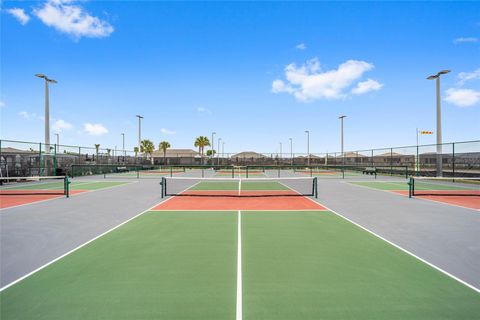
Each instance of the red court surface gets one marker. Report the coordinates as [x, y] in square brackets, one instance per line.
[238, 203]
[7, 201]
[467, 201]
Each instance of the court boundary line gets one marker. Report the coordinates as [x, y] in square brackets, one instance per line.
[414, 198]
[404, 250]
[239, 305]
[72, 195]
[78, 247]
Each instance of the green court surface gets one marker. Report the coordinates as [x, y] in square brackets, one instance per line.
[403, 185]
[183, 265]
[59, 185]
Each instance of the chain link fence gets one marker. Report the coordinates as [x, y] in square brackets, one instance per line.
[459, 159]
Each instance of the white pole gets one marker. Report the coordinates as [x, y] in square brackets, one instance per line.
[439, 132]
[308, 146]
[218, 152]
[211, 146]
[291, 149]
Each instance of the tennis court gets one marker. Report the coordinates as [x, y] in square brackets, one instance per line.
[464, 192]
[27, 190]
[205, 254]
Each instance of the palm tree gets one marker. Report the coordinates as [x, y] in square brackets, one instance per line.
[201, 142]
[97, 146]
[164, 145]
[136, 151]
[147, 147]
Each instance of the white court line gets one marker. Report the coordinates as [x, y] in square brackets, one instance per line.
[80, 246]
[403, 249]
[239, 267]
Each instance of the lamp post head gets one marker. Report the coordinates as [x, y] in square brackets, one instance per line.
[139, 116]
[341, 117]
[438, 74]
[40, 75]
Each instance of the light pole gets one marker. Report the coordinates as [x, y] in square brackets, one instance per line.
[341, 138]
[439, 121]
[211, 146]
[291, 149]
[58, 142]
[139, 131]
[218, 147]
[308, 146]
[47, 110]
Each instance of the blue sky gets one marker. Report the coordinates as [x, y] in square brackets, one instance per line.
[255, 73]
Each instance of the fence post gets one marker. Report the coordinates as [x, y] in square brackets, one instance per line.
[453, 159]
[391, 160]
[40, 170]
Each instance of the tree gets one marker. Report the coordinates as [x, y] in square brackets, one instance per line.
[211, 152]
[97, 146]
[201, 142]
[164, 145]
[136, 151]
[147, 147]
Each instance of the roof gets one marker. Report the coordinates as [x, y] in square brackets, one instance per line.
[172, 153]
[14, 150]
[248, 154]
[387, 154]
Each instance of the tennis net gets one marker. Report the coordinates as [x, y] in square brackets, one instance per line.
[239, 187]
[44, 185]
[443, 186]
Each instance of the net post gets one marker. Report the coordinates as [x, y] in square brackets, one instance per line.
[279, 171]
[67, 187]
[162, 187]
[453, 159]
[171, 171]
[311, 172]
[138, 172]
[315, 187]
[411, 187]
[246, 171]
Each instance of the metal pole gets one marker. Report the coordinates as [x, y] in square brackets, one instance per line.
[341, 138]
[439, 131]
[308, 147]
[439, 121]
[47, 119]
[280, 153]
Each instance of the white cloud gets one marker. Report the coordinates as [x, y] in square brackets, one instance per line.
[203, 110]
[24, 114]
[19, 14]
[466, 76]
[2, 104]
[72, 19]
[465, 40]
[301, 46]
[94, 129]
[308, 83]
[462, 97]
[61, 125]
[367, 86]
[166, 131]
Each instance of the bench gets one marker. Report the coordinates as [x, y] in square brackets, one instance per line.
[370, 170]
